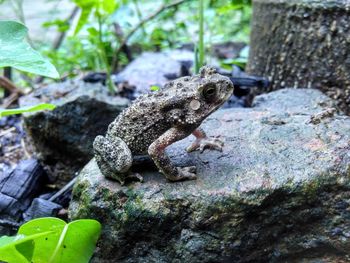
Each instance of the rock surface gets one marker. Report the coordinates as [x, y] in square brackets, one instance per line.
[64, 136]
[303, 43]
[156, 69]
[279, 191]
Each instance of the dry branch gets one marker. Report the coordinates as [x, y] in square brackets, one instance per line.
[9, 86]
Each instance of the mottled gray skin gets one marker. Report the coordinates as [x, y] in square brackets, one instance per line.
[155, 121]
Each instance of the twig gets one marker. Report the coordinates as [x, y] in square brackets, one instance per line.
[140, 24]
[139, 14]
[9, 86]
[63, 190]
[119, 35]
[12, 89]
[59, 39]
[9, 100]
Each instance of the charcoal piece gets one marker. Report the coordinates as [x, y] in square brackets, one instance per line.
[19, 187]
[41, 208]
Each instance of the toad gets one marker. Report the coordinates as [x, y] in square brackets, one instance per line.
[156, 120]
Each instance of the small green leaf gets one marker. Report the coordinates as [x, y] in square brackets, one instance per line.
[73, 242]
[19, 248]
[86, 9]
[155, 88]
[16, 52]
[93, 31]
[44, 106]
[108, 6]
[101, 8]
[62, 25]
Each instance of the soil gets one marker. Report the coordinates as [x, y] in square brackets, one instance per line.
[12, 143]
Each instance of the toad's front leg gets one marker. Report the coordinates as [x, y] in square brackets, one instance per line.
[157, 152]
[203, 141]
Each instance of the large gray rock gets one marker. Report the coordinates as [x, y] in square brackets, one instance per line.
[279, 191]
[155, 68]
[64, 136]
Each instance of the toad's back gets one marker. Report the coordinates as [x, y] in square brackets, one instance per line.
[140, 124]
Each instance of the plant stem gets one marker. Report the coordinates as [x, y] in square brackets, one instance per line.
[104, 58]
[17, 6]
[139, 14]
[201, 34]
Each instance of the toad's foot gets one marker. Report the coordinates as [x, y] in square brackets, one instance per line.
[204, 143]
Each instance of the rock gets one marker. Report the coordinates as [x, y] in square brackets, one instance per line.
[228, 49]
[63, 137]
[279, 192]
[223, 50]
[301, 43]
[17, 190]
[41, 208]
[151, 69]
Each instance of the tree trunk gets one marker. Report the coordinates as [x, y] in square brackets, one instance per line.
[303, 44]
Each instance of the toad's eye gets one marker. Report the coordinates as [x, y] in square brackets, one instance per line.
[209, 91]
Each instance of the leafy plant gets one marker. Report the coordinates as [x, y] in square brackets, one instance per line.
[237, 12]
[171, 28]
[101, 9]
[17, 53]
[51, 240]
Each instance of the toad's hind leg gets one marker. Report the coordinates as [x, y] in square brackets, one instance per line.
[113, 157]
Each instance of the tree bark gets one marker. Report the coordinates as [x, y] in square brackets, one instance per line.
[303, 44]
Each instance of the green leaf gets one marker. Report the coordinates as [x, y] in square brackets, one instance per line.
[86, 9]
[16, 52]
[44, 106]
[18, 249]
[154, 88]
[102, 8]
[73, 242]
[108, 6]
[93, 32]
[62, 25]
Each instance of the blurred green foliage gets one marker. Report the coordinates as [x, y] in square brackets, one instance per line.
[91, 41]
[225, 20]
